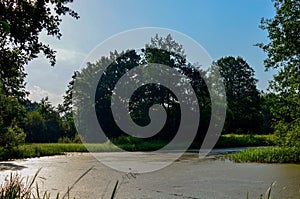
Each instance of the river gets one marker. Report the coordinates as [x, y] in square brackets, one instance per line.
[188, 177]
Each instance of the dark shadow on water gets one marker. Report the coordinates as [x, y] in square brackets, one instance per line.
[10, 166]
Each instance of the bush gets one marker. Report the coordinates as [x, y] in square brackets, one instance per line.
[288, 134]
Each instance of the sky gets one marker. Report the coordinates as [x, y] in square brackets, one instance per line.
[222, 27]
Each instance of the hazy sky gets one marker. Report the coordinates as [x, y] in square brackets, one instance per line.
[222, 27]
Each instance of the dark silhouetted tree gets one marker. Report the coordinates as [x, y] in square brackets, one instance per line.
[243, 98]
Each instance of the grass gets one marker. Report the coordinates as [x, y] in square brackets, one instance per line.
[267, 194]
[48, 149]
[126, 143]
[16, 187]
[235, 140]
[268, 155]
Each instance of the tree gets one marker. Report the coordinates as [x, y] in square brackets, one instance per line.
[10, 134]
[21, 23]
[243, 98]
[160, 51]
[283, 52]
[44, 124]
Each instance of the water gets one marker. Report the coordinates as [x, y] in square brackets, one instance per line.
[188, 177]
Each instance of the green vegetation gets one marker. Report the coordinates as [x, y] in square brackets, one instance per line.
[126, 143]
[48, 149]
[242, 96]
[283, 54]
[234, 140]
[268, 155]
[249, 111]
[21, 23]
[283, 101]
[16, 187]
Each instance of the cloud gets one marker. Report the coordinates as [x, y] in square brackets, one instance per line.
[44, 80]
[37, 93]
[71, 56]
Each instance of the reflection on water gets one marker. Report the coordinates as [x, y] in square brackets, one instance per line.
[10, 166]
[187, 177]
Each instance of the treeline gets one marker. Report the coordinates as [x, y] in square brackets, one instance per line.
[45, 123]
[249, 111]
[247, 108]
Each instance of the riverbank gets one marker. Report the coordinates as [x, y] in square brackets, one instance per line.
[265, 155]
[268, 155]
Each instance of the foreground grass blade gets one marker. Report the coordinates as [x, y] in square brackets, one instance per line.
[115, 190]
[69, 189]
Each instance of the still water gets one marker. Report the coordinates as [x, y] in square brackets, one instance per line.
[188, 177]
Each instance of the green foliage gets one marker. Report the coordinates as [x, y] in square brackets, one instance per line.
[288, 134]
[117, 64]
[11, 135]
[127, 143]
[5, 26]
[21, 23]
[283, 52]
[43, 124]
[65, 139]
[49, 149]
[243, 98]
[234, 140]
[268, 155]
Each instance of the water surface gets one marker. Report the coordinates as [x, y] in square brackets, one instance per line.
[188, 177]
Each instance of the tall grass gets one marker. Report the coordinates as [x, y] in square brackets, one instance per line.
[235, 140]
[48, 149]
[128, 144]
[16, 187]
[268, 155]
[267, 194]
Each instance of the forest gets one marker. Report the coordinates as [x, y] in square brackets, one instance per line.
[250, 113]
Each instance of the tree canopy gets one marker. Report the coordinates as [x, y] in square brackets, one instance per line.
[21, 24]
[144, 97]
[283, 52]
[243, 98]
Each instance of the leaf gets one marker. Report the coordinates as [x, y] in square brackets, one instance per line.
[5, 26]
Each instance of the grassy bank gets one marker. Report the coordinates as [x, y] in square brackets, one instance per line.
[48, 149]
[126, 143]
[234, 140]
[268, 155]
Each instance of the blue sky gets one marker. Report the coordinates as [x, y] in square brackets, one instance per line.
[222, 27]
